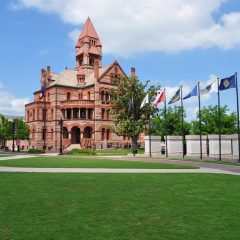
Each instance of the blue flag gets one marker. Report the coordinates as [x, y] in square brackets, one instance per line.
[193, 93]
[227, 83]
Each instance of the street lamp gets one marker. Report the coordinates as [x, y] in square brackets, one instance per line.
[60, 122]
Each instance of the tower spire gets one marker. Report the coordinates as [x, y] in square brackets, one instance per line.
[88, 48]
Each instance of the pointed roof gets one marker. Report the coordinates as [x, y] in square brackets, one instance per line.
[88, 30]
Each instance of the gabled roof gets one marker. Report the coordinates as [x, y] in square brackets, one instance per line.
[88, 30]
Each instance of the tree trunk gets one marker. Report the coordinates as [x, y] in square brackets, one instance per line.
[134, 142]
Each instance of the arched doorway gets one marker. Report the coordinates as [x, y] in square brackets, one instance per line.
[75, 135]
[87, 132]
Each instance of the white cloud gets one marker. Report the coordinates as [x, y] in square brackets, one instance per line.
[130, 27]
[43, 52]
[11, 105]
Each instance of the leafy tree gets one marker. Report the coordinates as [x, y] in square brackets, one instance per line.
[210, 121]
[127, 99]
[6, 129]
[173, 122]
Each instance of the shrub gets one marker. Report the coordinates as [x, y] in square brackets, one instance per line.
[34, 151]
[77, 151]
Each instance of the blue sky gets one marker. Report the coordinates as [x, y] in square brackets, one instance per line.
[172, 43]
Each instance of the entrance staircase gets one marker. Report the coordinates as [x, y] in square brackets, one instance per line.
[72, 146]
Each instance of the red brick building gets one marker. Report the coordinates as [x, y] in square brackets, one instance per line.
[80, 97]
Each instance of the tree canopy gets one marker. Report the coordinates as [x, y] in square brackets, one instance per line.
[173, 122]
[210, 121]
[127, 99]
[6, 129]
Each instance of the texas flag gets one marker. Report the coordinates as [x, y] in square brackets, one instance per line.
[160, 98]
[43, 90]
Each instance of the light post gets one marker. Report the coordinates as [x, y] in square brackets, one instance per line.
[60, 122]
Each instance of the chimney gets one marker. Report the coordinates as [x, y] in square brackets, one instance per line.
[133, 72]
[48, 72]
[96, 68]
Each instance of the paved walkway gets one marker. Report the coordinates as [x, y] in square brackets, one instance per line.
[203, 166]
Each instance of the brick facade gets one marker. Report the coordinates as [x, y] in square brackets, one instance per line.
[80, 97]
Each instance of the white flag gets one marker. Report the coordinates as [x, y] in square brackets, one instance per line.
[145, 101]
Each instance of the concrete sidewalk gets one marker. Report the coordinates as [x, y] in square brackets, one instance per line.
[111, 170]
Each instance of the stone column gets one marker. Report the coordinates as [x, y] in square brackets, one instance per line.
[86, 113]
[193, 145]
[71, 113]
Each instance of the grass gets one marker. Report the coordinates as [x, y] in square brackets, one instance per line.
[119, 206]
[65, 162]
[113, 152]
[108, 152]
[206, 161]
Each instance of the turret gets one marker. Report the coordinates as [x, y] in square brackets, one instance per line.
[88, 48]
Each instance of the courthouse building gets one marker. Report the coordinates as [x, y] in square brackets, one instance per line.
[80, 97]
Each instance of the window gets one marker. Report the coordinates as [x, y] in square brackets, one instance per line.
[107, 96]
[68, 96]
[103, 113]
[89, 95]
[102, 96]
[108, 114]
[80, 96]
[33, 114]
[51, 134]
[103, 133]
[91, 62]
[108, 134]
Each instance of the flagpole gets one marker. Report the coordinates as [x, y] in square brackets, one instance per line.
[44, 122]
[238, 118]
[182, 122]
[165, 116]
[219, 124]
[149, 132]
[200, 119]
[133, 105]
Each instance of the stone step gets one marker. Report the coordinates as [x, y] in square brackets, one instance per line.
[72, 146]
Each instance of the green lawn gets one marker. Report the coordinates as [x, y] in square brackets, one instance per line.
[47, 206]
[112, 152]
[68, 162]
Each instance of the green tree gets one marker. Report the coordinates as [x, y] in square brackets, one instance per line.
[210, 121]
[173, 122]
[127, 99]
[6, 129]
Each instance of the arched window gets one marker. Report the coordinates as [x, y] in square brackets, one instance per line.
[33, 114]
[103, 133]
[68, 96]
[108, 134]
[87, 132]
[65, 133]
[107, 96]
[89, 95]
[102, 96]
